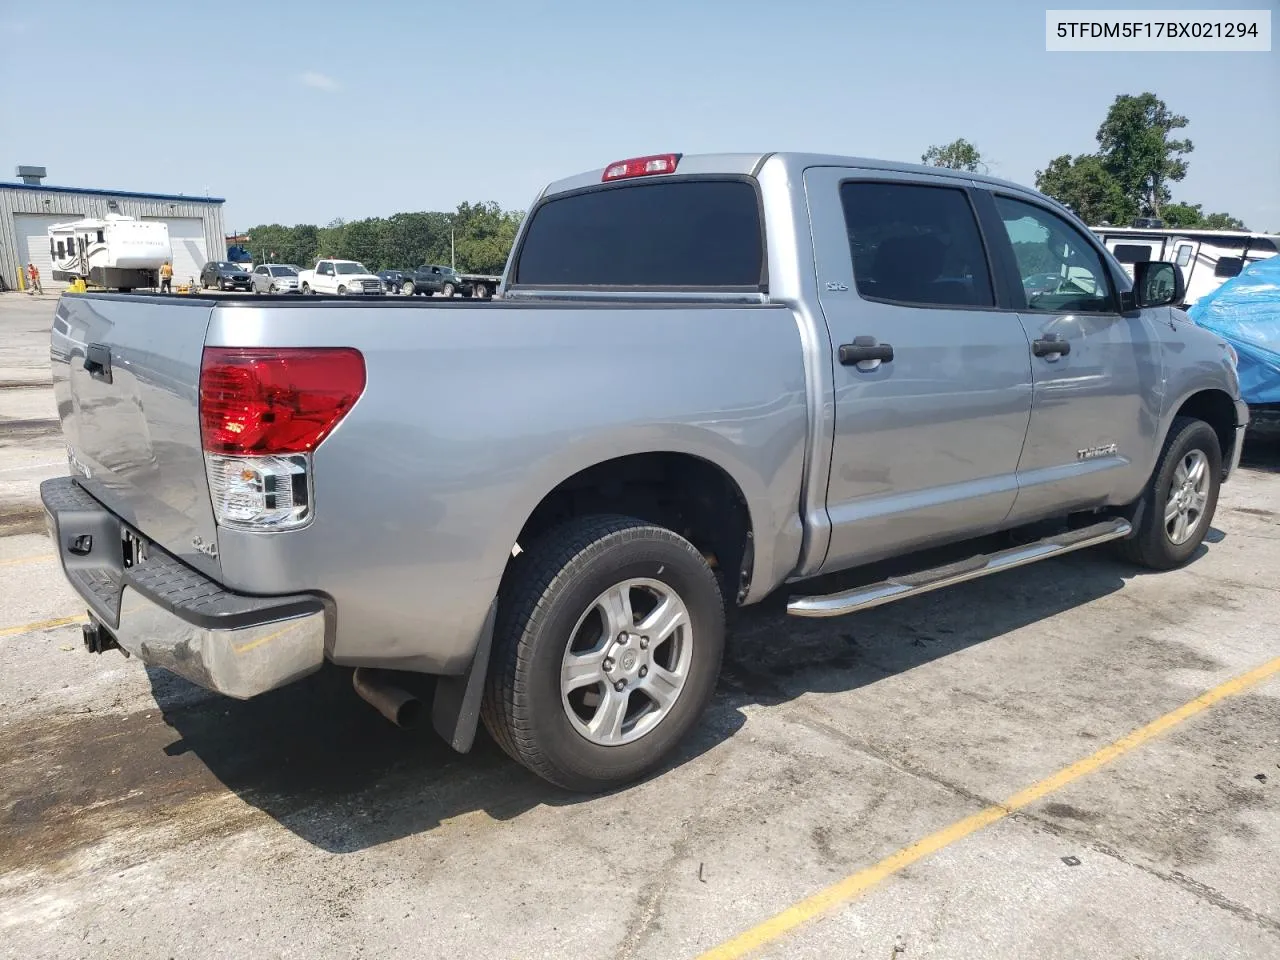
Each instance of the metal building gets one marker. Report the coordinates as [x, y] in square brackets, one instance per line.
[28, 209]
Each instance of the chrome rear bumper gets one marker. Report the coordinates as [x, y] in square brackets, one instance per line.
[169, 615]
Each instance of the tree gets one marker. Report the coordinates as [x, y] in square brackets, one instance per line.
[482, 232]
[1222, 221]
[1084, 185]
[1136, 150]
[957, 155]
[1182, 215]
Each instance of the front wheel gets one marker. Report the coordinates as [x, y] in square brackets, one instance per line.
[606, 651]
[447, 290]
[406, 288]
[342, 291]
[1180, 498]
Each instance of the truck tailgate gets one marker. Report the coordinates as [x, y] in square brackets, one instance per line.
[126, 375]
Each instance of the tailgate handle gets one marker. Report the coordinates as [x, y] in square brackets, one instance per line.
[97, 361]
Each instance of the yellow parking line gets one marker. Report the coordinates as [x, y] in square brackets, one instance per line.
[40, 625]
[855, 884]
[32, 559]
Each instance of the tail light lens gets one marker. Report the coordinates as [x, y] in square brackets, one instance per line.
[262, 412]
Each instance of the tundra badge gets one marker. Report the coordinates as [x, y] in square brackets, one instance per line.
[1093, 453]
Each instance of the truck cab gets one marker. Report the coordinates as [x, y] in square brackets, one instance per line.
[341, 278]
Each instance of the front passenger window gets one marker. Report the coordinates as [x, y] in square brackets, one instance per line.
[1061, 272]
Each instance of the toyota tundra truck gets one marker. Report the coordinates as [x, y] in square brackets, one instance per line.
[707, 379]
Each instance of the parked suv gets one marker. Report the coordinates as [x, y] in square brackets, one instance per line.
[274, 278]
[224, 275]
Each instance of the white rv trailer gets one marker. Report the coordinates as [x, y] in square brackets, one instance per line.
[112, 251]
[1208, 258]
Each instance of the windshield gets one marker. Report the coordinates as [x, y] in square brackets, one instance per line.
[349, 266]
[283, 272]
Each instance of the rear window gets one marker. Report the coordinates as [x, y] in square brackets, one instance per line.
[681, 233]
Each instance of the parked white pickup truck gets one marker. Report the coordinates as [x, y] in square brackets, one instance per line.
[343, 277]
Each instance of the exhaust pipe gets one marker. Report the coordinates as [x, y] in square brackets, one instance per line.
[395, 703]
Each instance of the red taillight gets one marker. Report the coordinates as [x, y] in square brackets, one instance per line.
[273, 400]
[641, 167]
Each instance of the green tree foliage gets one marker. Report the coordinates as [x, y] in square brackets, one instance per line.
[957, 155]
[1130, 175]
[1136, 149]
[482, 234]
[1084, 185]
[1222, 221]
[1182, 215]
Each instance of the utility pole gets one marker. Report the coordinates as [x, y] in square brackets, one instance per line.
[453, 260]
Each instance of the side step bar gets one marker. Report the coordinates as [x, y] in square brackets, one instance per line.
[895, 588]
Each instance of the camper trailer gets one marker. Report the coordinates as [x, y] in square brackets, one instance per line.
[1208, 258]
[114, 251]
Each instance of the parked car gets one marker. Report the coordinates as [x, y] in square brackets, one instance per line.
[343, 277]
[440, 281]
[391, 279]
[707, 378]
[274, 278]
[224, 275]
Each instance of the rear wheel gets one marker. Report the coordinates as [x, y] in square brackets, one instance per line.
[1180, 498]
[306, 289]
[606, 651]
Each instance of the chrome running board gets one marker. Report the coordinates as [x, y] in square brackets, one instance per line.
[895, 588]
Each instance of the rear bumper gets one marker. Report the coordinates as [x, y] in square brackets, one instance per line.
[169, 615]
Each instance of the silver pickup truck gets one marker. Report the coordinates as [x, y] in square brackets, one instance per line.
[705, 378]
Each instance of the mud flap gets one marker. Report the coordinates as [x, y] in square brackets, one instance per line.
[455, 711]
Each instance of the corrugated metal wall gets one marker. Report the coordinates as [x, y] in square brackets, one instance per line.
[15, 198]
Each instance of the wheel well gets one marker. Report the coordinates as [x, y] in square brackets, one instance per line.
[687, 494]
[1216, 409]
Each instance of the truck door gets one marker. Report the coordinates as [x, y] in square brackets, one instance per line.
[325, 277]
[932, 377]
[1097, 373]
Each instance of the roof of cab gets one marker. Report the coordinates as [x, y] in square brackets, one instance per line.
[750, 164]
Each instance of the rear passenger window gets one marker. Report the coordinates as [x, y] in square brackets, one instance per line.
[916, 244]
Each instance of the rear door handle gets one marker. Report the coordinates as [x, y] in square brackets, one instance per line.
[97, 361]
[1050, 346]
[865, 350]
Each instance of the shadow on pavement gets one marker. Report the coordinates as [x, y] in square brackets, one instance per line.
[325, 765]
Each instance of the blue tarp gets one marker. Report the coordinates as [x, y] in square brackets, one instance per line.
[1246, 312]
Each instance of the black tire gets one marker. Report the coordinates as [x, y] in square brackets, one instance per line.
[482, 291]
[342, 291]
[407, 288]
[446, 290]
[306, 289]
[557, 579]
[1151, 545]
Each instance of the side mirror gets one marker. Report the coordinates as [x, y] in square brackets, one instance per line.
[1158, 283]
[1228, 267]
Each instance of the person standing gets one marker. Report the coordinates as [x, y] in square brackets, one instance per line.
[33, 277]
[166, 277]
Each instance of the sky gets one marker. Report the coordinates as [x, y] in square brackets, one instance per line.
[305, 112]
